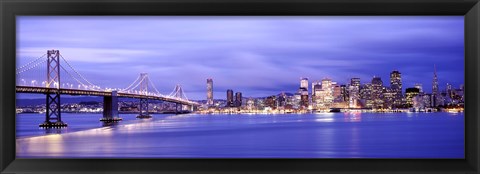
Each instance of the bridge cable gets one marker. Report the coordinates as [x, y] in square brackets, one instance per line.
[174, 92]
[139, 83]
[73, 76]
[77, 72]
[126, 89]
[154, 87]
[32, 67]
[30, 62]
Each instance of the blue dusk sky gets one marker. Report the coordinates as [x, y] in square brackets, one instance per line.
[257, 56]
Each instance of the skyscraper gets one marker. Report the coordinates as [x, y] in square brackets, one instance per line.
[344, 91]
[303, 90]
[304, 99]
[366, 94]
[377, 81]
[377, 92]
[389, 98]
[355, 82]
[229, 98]
[435, 94]
[304, 83]
[209, 92]
[328, 91]
[449, 90]
[354, 92]
[238, 99]
[396, 87]
[316, 86]
[337, 93]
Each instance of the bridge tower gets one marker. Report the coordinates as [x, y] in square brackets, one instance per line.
[178, 93]
[144, 101]
[53, 117]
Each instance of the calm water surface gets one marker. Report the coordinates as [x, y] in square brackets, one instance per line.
[328, 135]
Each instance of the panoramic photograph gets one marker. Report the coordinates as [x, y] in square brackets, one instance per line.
[240, 87]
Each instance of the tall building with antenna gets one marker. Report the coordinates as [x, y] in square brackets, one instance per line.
[435, 93]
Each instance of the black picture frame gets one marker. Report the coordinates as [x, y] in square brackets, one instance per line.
[11, 8]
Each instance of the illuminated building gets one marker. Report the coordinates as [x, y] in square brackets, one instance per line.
[328, 91]
[303, 90]
[450, 92]
[389, 98]
[296, 100]
[315, 87]
[460, 94]
[419, 87]
[344, 92]
[442, 98]
[435, 94]
[229, 98]
[377, 92]
[354, 92]
[337, 93]
[355, 82]
[366, 94]
[238, 99]
[304, 83]
[209, 92]
[282, 99]
[324, 95]
[304, 98]
[418, 102]
[318, 97]
[410, 93]
[271, 101]
[427, 99]
[251, 104]
[260, 103]
[396, 87]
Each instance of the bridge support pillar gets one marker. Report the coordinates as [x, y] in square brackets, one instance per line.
[110, 108]
[178, 108]
[144, 109]
[53, 115]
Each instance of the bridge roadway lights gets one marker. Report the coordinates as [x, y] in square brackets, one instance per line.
[58, 124]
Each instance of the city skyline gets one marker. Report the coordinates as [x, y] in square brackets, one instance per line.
[258, 56]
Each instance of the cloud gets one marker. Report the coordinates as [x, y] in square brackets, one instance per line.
[255, 55]
[88, 55]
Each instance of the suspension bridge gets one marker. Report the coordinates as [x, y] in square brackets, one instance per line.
[61, 78]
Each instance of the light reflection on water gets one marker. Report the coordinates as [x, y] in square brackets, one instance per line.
[329, 135]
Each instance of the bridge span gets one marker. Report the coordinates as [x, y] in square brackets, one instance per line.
[53, 89]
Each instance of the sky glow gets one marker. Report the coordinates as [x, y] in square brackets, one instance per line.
[258, 56]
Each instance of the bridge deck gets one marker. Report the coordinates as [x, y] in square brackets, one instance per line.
[44, 90]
